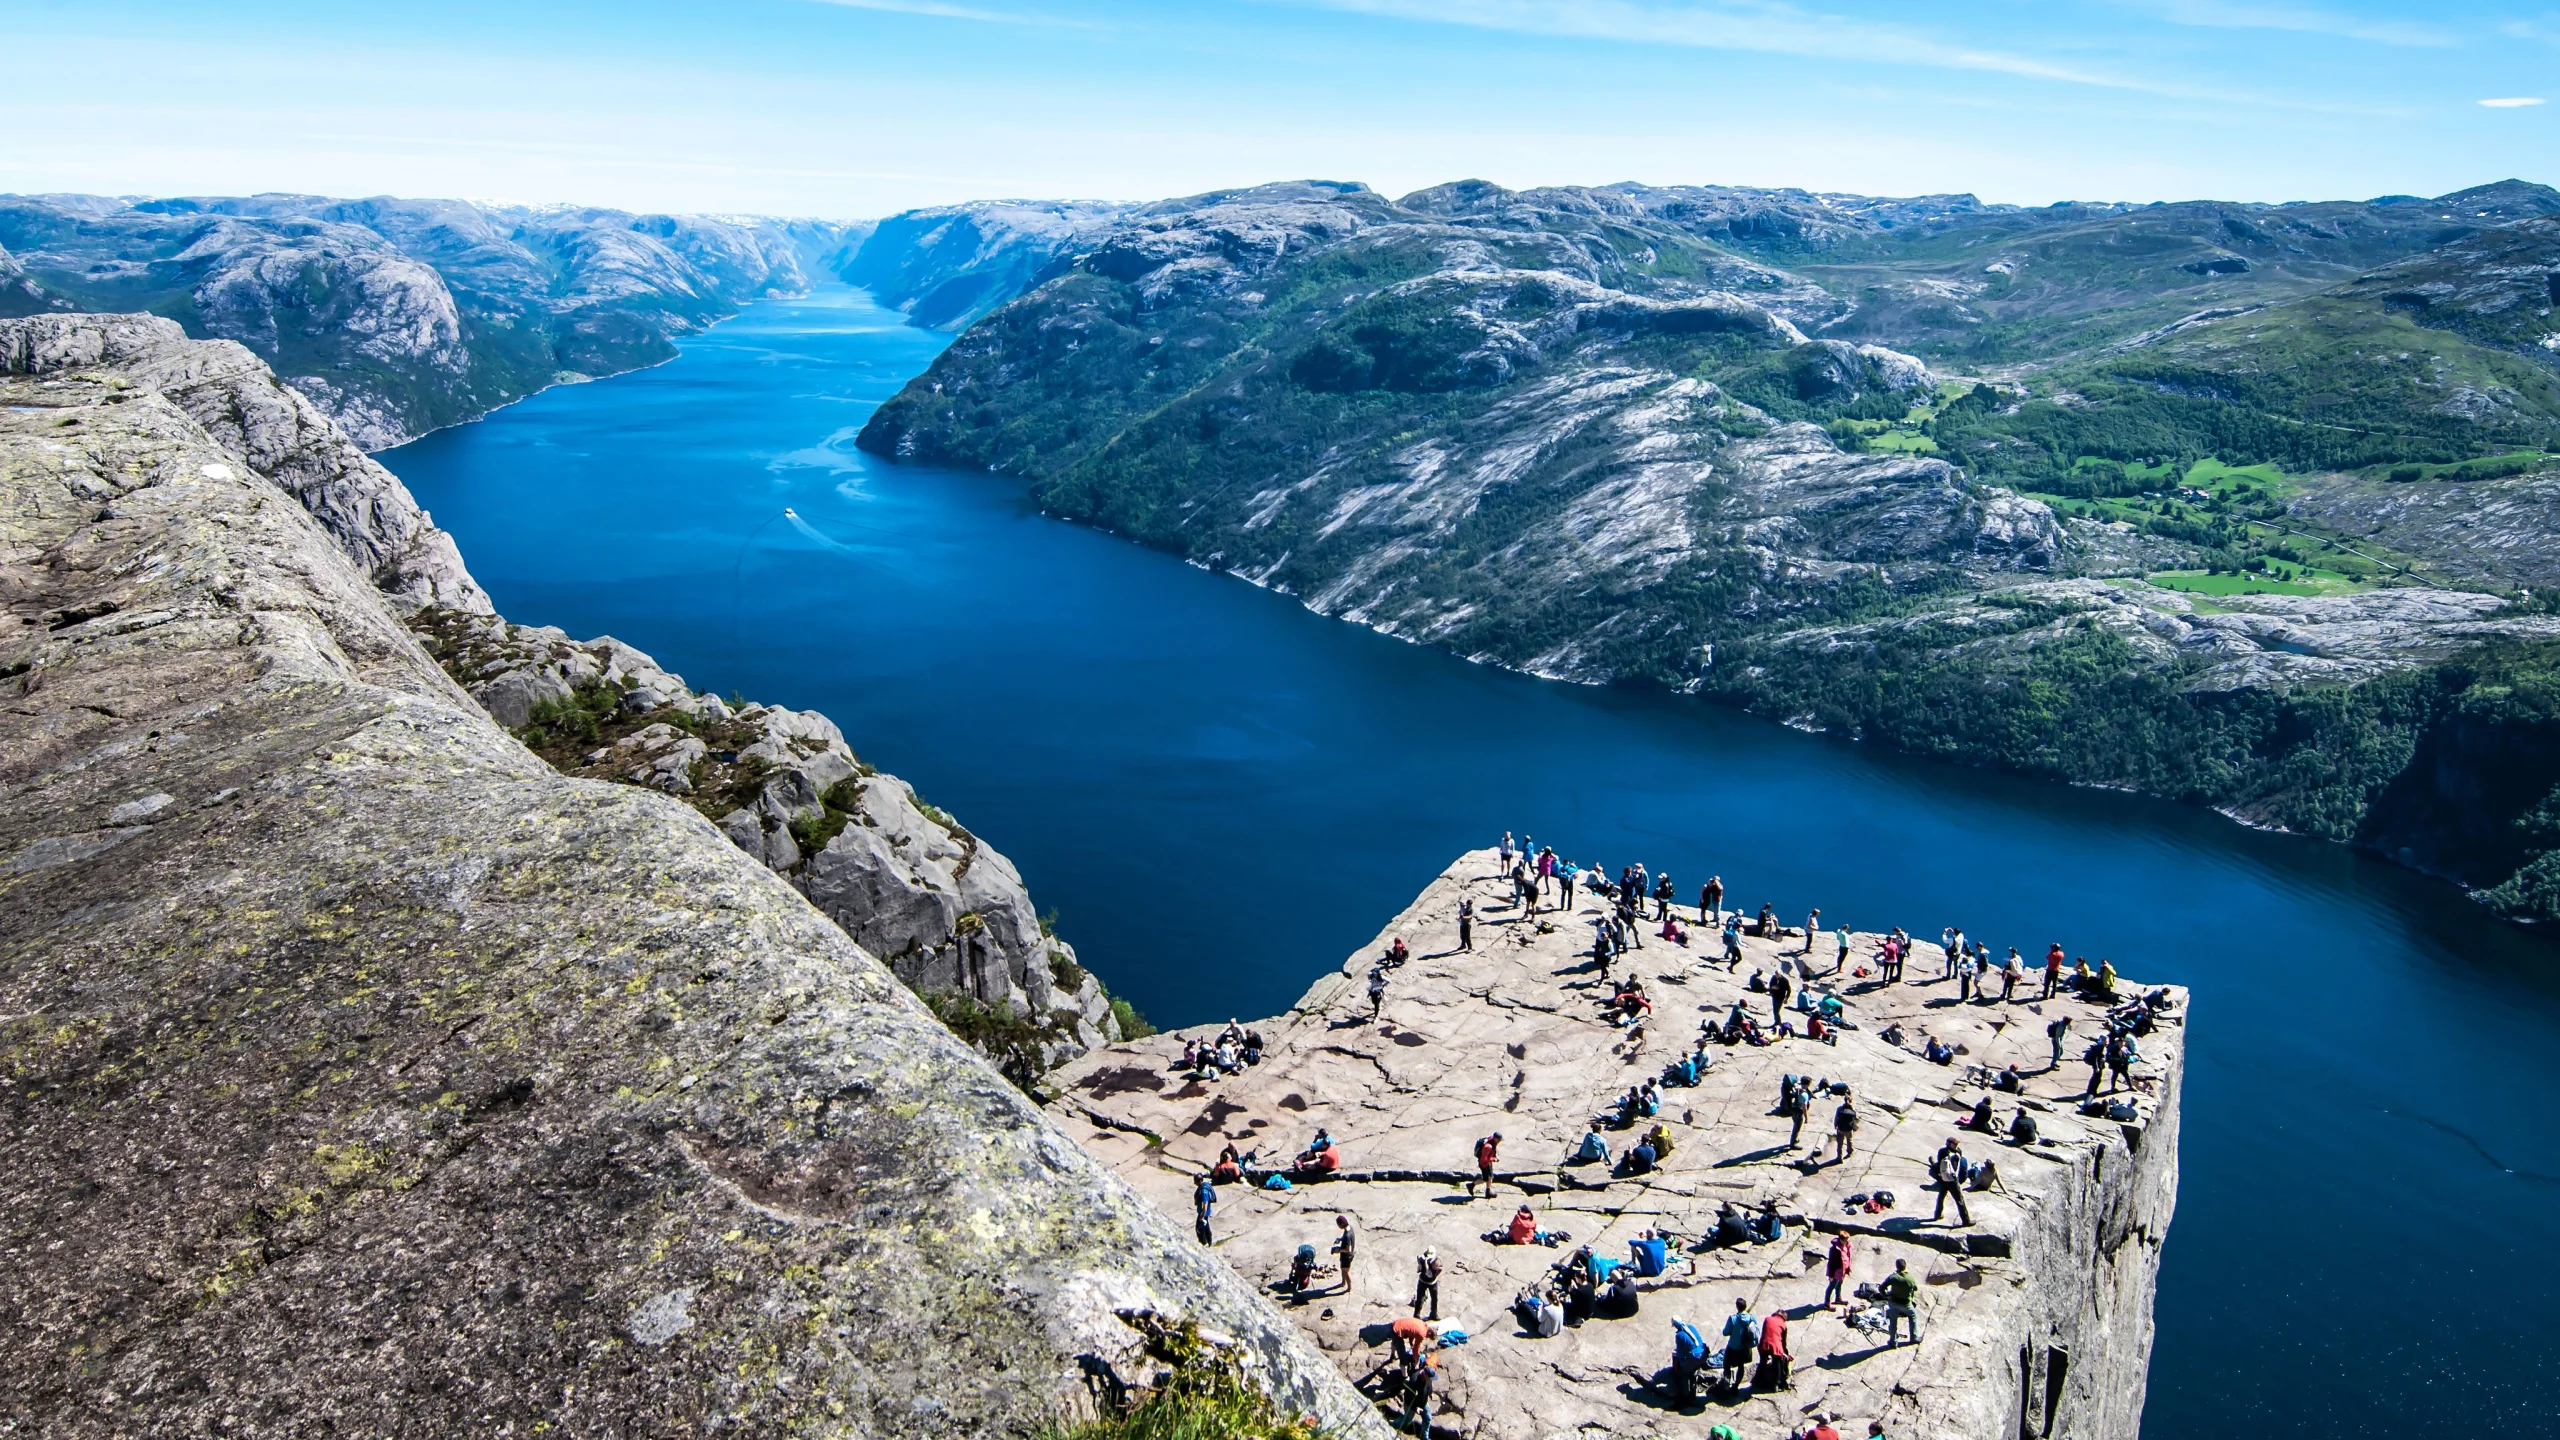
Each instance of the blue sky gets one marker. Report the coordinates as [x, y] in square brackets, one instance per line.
[861, 107]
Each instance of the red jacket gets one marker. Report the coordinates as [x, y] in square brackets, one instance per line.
[1773, 1337]
[1838, 1268]
[1486, 1149]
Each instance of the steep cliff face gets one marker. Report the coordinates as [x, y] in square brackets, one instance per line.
[943, 909]
[365, 1074]
[399, 316]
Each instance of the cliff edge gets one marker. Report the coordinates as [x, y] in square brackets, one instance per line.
[2033, 1312]
[363, 1073]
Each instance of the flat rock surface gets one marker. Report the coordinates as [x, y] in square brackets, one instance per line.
[1511, 1037]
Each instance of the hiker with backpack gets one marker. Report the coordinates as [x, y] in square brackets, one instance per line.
[1741, 1339]
[1688, 1357]
[1844, 1127]
[1950, 1170]
[1487, 1150]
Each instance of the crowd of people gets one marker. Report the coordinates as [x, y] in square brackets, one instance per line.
[1808, 995]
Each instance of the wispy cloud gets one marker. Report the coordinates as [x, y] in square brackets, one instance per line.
[2300, 19]
[2548, 33]
[2512, 102]
[1767, 28]
[1775, 28]
[940, 11]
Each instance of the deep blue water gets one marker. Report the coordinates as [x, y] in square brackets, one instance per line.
[1222, 794]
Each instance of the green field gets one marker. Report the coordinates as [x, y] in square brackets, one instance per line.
[2290, 580]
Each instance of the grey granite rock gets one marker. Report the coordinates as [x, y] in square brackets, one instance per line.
[389, 1082]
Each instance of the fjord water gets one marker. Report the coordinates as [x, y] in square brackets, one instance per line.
[1223, 794]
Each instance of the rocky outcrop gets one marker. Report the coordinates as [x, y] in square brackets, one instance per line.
[272, 428]
[2034, 1319]
[939, 906]
[395, 316]
[364, 1074]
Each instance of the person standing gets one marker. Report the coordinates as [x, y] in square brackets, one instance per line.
[1949, 1170]
[1467, 923]
[1780, 987]
[1506, 852]
[1741, 1337]
[1900, 1291]
[1346, 1241]
[2054, 1035]
[1840, 961]
[1812, 928]
[1835, 1270]
[1377, 991]
[1844, 1128]
[2010, 975]
[1663, 890]
[1205, 1201]
[1487, 1150]
[1799, 1101]
[1711, 900]
[1565, 876]
[1426, 1283]
[1774, 1359]
[2053, 976]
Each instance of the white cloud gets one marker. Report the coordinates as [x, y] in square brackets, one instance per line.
[2512, 102]
[2300, 19]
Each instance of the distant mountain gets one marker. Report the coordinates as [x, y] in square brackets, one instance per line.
[1749, 444]
[947, 265]
[400, 316]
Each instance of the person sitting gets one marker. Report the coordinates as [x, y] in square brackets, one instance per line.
[1190, 1055]
[1616, 1297]
[1232, 1035]
[1322, 1158]
[1397, 954]
[1659, 1137]
[2106, 980]
[1302, 1268]
[1672, 932]
[1768, 1226]
[2022, 1130]
[1226, 1059]
[1538, 1315]
[1648, 1101]
[1981, 1117]
[1731, 1228]
[1591, 1151]
[1831, 1008]
[1229, 1169]
[1938, 1052]
[1649, 1254]
[1253, 1047]
[1524, 1227]
[2010, 1081]
[1639, 1159]
[1758, 984]
[1892, 1034]
[1816, 1029]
